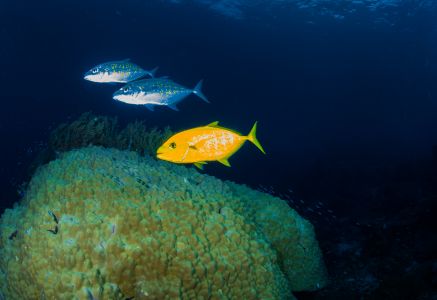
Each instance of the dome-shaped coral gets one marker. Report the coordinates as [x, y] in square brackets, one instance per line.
[105, 224]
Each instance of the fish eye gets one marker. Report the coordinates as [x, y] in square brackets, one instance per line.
[172, 145]
[94, 71]
[125, 89]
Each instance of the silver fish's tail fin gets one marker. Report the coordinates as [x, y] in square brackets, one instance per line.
[152, 72]
[198, 91]
[252, 137]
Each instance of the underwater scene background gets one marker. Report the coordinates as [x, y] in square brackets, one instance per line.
[342, 206]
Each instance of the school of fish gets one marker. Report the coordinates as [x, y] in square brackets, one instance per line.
[197, 145]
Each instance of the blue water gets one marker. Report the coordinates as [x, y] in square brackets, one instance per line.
[345, 92]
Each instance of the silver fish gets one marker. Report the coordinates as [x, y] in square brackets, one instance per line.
[157, 91]
[121, 71]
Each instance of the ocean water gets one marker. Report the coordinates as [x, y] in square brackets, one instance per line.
[344, 92]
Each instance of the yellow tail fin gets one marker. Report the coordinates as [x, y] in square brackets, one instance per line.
[252, 137]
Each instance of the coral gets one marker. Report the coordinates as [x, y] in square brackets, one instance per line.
[87, 130]
[90, 129]
[106, 224]
[290, 235]
[137, 137]
[104, 131]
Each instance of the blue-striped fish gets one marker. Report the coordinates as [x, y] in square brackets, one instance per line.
[156, 91]
[122, 71]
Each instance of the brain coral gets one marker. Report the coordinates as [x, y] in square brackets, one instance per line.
[106, 224]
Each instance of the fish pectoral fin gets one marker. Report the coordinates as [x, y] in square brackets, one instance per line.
[213, 124]
[224, 161]
[200, 164]
[150, 107]
[174, 107]
[193, 147]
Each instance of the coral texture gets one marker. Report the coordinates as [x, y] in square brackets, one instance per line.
[136, 136]
[107, 224]
[87, 130]
[104, 131]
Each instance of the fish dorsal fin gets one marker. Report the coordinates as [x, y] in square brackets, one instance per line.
[200, 164]
[216, 125]
[213, 124]
[225, 162]
[125, 60]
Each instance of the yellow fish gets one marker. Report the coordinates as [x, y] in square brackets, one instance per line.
[207, 143]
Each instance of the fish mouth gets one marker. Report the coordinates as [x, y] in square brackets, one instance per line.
[91, 77]
[160, 155]
[116, 96]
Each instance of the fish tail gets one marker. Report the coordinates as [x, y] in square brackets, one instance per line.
[252, 137]
[198, 91]
[152, 72]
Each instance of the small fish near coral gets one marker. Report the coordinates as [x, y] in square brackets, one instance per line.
[121, 71]
[207, 143]
[157, 91]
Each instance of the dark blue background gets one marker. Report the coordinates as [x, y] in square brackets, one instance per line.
[346, 109]
[350, 91]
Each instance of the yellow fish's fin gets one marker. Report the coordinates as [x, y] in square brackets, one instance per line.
[200, 164]
[216, 125]
[252, 137]
[192, 146]
[213, 124]
[225, 162]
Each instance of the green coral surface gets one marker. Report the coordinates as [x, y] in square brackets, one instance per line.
[106, 224]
